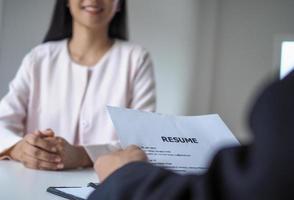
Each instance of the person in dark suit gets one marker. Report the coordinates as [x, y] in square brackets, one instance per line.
[260, 171]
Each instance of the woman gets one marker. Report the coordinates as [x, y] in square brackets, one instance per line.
[54, 116]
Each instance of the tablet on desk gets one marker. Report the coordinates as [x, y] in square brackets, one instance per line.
[73, 193]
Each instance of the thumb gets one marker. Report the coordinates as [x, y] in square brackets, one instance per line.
[47, 133]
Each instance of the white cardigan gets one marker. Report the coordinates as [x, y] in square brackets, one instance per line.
[51, 91]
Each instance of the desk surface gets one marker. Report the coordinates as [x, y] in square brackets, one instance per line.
[20, 183]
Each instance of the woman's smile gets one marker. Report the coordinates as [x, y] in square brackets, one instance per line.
[93, 9]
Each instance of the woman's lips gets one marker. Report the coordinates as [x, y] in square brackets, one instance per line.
[93, 9]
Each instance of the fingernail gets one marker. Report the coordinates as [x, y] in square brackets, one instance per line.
[60, 166]
[58, 159]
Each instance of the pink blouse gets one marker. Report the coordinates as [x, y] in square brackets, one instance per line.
[52, 91]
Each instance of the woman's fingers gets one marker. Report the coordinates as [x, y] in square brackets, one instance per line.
[40, 151]
[39, 141]
[46, 133]
[60, 143]
[40, 154]
[33, 163]
[52, 153]
[72, 156]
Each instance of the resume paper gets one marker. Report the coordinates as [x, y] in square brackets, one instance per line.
[183, 144]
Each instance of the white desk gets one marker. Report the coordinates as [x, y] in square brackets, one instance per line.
[20, 183]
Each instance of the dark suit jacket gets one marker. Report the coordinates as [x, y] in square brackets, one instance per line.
[261, 171]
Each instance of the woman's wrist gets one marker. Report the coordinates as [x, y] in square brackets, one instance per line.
[7, 154]
[85, 160]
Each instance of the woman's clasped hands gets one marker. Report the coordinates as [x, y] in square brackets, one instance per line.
[45, 151]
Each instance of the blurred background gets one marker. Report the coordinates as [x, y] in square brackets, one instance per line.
[211, 56]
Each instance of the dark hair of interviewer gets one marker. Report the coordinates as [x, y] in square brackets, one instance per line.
[61, 23]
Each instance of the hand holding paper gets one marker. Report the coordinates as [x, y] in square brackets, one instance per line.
[107, 164]
[181, 144]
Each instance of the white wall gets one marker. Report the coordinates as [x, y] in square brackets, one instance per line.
[202, 83]
[245, 53]
[1, 28]
[169, 30]
[211, 56]
[24, 26]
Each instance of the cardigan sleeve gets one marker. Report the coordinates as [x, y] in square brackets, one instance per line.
[143, 91]
[13, 107]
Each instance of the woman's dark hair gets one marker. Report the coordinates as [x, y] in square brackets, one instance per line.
[61, 23]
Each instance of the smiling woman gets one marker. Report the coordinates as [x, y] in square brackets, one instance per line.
[63, 86]
[62, 21]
